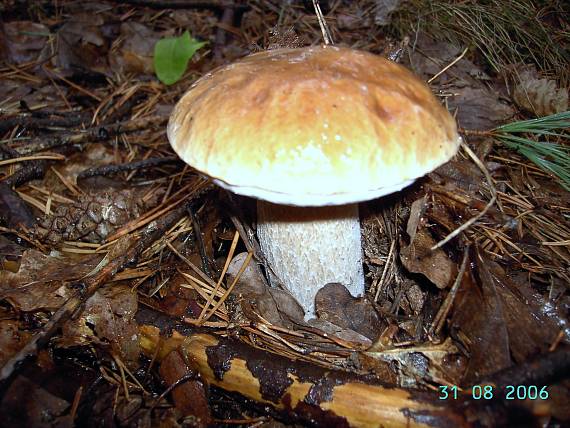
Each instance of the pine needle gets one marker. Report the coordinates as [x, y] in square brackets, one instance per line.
[551, 157]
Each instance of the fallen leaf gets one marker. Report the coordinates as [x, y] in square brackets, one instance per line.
[478, 315]
[81, 45]
[434, 265]
[335, 304]
[171, 56]
[477, 105]
[538, 95]
[108, 318]
[28, 404]
[256, 298]
[40, 282]
[432, 362]
[135, 53]
[24, 40]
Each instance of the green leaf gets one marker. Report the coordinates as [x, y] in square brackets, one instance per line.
[171, 56]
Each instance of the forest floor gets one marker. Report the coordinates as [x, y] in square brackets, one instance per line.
[122, 298]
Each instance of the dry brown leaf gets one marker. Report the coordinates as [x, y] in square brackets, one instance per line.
[351, 337]
[434, 265]
[478, 105]
[538, 95]
[334, 303]
[255, 297]
[135, 54]
[81, 45]
[24, 40]
[499, 323]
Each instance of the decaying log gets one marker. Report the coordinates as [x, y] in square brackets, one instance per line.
[306, 392]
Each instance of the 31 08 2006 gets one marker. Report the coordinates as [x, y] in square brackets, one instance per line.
[488, 392]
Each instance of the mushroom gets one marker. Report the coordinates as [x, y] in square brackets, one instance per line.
[311, 132]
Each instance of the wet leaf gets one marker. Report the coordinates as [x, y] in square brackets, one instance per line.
[40, 281]
[171, 56]
[25, 403]
[108, 318]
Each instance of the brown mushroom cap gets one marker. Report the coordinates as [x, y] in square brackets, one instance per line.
[312, 126]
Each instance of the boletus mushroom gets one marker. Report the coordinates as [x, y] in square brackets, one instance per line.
[310, 133]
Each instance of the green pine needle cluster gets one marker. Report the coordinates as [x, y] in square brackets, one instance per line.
[534, 140]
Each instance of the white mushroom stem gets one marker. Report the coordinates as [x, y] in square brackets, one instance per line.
[308, 247]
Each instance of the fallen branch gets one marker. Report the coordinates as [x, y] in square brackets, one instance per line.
[310, 393]
[95, 133]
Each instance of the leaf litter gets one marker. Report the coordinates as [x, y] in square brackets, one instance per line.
[507, 305]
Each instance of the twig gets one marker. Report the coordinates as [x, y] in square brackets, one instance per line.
[200, 241]
[472, 220]
[439, 319]
[29, 121]
[196, 189]
[29, 171]
[544, 369]
[43, 156]
[96, 133]
[448, 66]
[130, 166]
[327, 38]
[230, 288]
[248, 237]
[385, 270]
[212, 296]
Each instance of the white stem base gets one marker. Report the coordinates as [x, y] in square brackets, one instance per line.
[308, 247]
